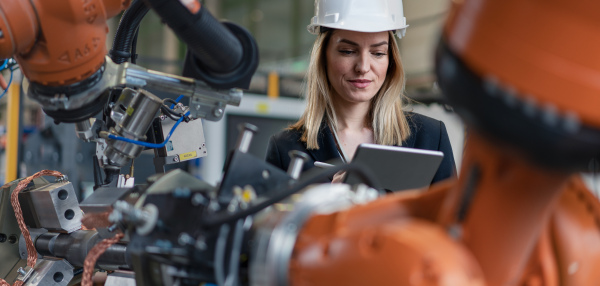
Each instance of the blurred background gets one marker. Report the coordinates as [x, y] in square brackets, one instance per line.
[273, 101]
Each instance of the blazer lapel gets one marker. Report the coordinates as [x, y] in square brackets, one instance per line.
[411, 140]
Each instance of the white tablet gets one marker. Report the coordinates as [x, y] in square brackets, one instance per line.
[397, 168]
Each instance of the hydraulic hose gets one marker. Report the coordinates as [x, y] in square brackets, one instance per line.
[125, 35]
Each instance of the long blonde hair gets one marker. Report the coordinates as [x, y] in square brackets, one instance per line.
[390, 126]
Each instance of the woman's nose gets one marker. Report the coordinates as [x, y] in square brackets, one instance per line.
[362, 64]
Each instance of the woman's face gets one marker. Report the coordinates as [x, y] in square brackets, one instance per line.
[357, 64]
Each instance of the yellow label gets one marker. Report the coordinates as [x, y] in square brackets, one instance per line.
[186, 156]
[262, 108]
[130, 110]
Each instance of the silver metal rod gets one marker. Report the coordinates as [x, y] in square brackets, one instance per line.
[245, 137]
[297, 161]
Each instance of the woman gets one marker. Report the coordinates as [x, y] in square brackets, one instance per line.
[355, 90]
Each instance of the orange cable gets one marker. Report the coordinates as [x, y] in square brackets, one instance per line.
[14, 201]
[92, 257]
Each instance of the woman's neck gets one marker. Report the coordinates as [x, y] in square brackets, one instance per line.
[353, 127]
[352, 116]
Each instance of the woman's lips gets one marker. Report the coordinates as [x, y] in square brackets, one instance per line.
[360, 83]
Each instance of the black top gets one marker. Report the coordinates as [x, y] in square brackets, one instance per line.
[425, 133]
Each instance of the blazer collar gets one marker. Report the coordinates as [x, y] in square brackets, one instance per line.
[328, 149]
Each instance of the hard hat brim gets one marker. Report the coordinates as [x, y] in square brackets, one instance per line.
[314, 29]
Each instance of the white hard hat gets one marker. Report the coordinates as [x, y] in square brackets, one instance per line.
[359, 15]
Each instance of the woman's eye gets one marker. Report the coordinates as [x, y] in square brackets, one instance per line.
[379, 55]
[346, 52]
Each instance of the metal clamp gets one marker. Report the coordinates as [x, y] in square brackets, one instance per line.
[24, 274]
[61, 179]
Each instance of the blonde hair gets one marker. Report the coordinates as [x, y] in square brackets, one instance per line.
[386, 116]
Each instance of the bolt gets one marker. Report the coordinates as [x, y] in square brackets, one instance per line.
[176, 159]
[198, 199]
[247, 131]
[62, 178]
[201, 244]
[22, 271]
[112, 228]
[185, 239]
[265, 174]
[218, 112]
[297, 161]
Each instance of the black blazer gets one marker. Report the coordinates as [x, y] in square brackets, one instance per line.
[426, 133]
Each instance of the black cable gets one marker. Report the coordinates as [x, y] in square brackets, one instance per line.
[168, 109]
[97, 172]
[171, 116]
[134, 46]
[125, 35]
[226, 218]
[169, 100]
[170, 112]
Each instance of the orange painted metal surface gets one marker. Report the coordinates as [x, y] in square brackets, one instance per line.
[70, 46]
[523, 226]
[512, 199]
[535, 47]
[380, 244]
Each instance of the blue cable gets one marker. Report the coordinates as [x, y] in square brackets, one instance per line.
[177, 100]
[146, 144]
[4, 64]
[8, 85]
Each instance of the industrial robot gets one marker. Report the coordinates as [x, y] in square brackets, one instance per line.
[520, 73]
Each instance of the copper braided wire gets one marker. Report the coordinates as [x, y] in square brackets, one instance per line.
[92, 257]
[4, 283]
[96, 220]
[14, 201]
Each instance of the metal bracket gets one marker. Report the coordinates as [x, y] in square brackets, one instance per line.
[24, 274]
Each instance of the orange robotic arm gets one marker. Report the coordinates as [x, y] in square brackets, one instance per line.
[60, 47]
[56, 42]
[509, 223]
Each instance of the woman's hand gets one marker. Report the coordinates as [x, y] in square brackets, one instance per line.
[338, 177]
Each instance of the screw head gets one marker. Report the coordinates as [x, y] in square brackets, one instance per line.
[266, 174]
[218, 112]
[185, 239]
[176, 159]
